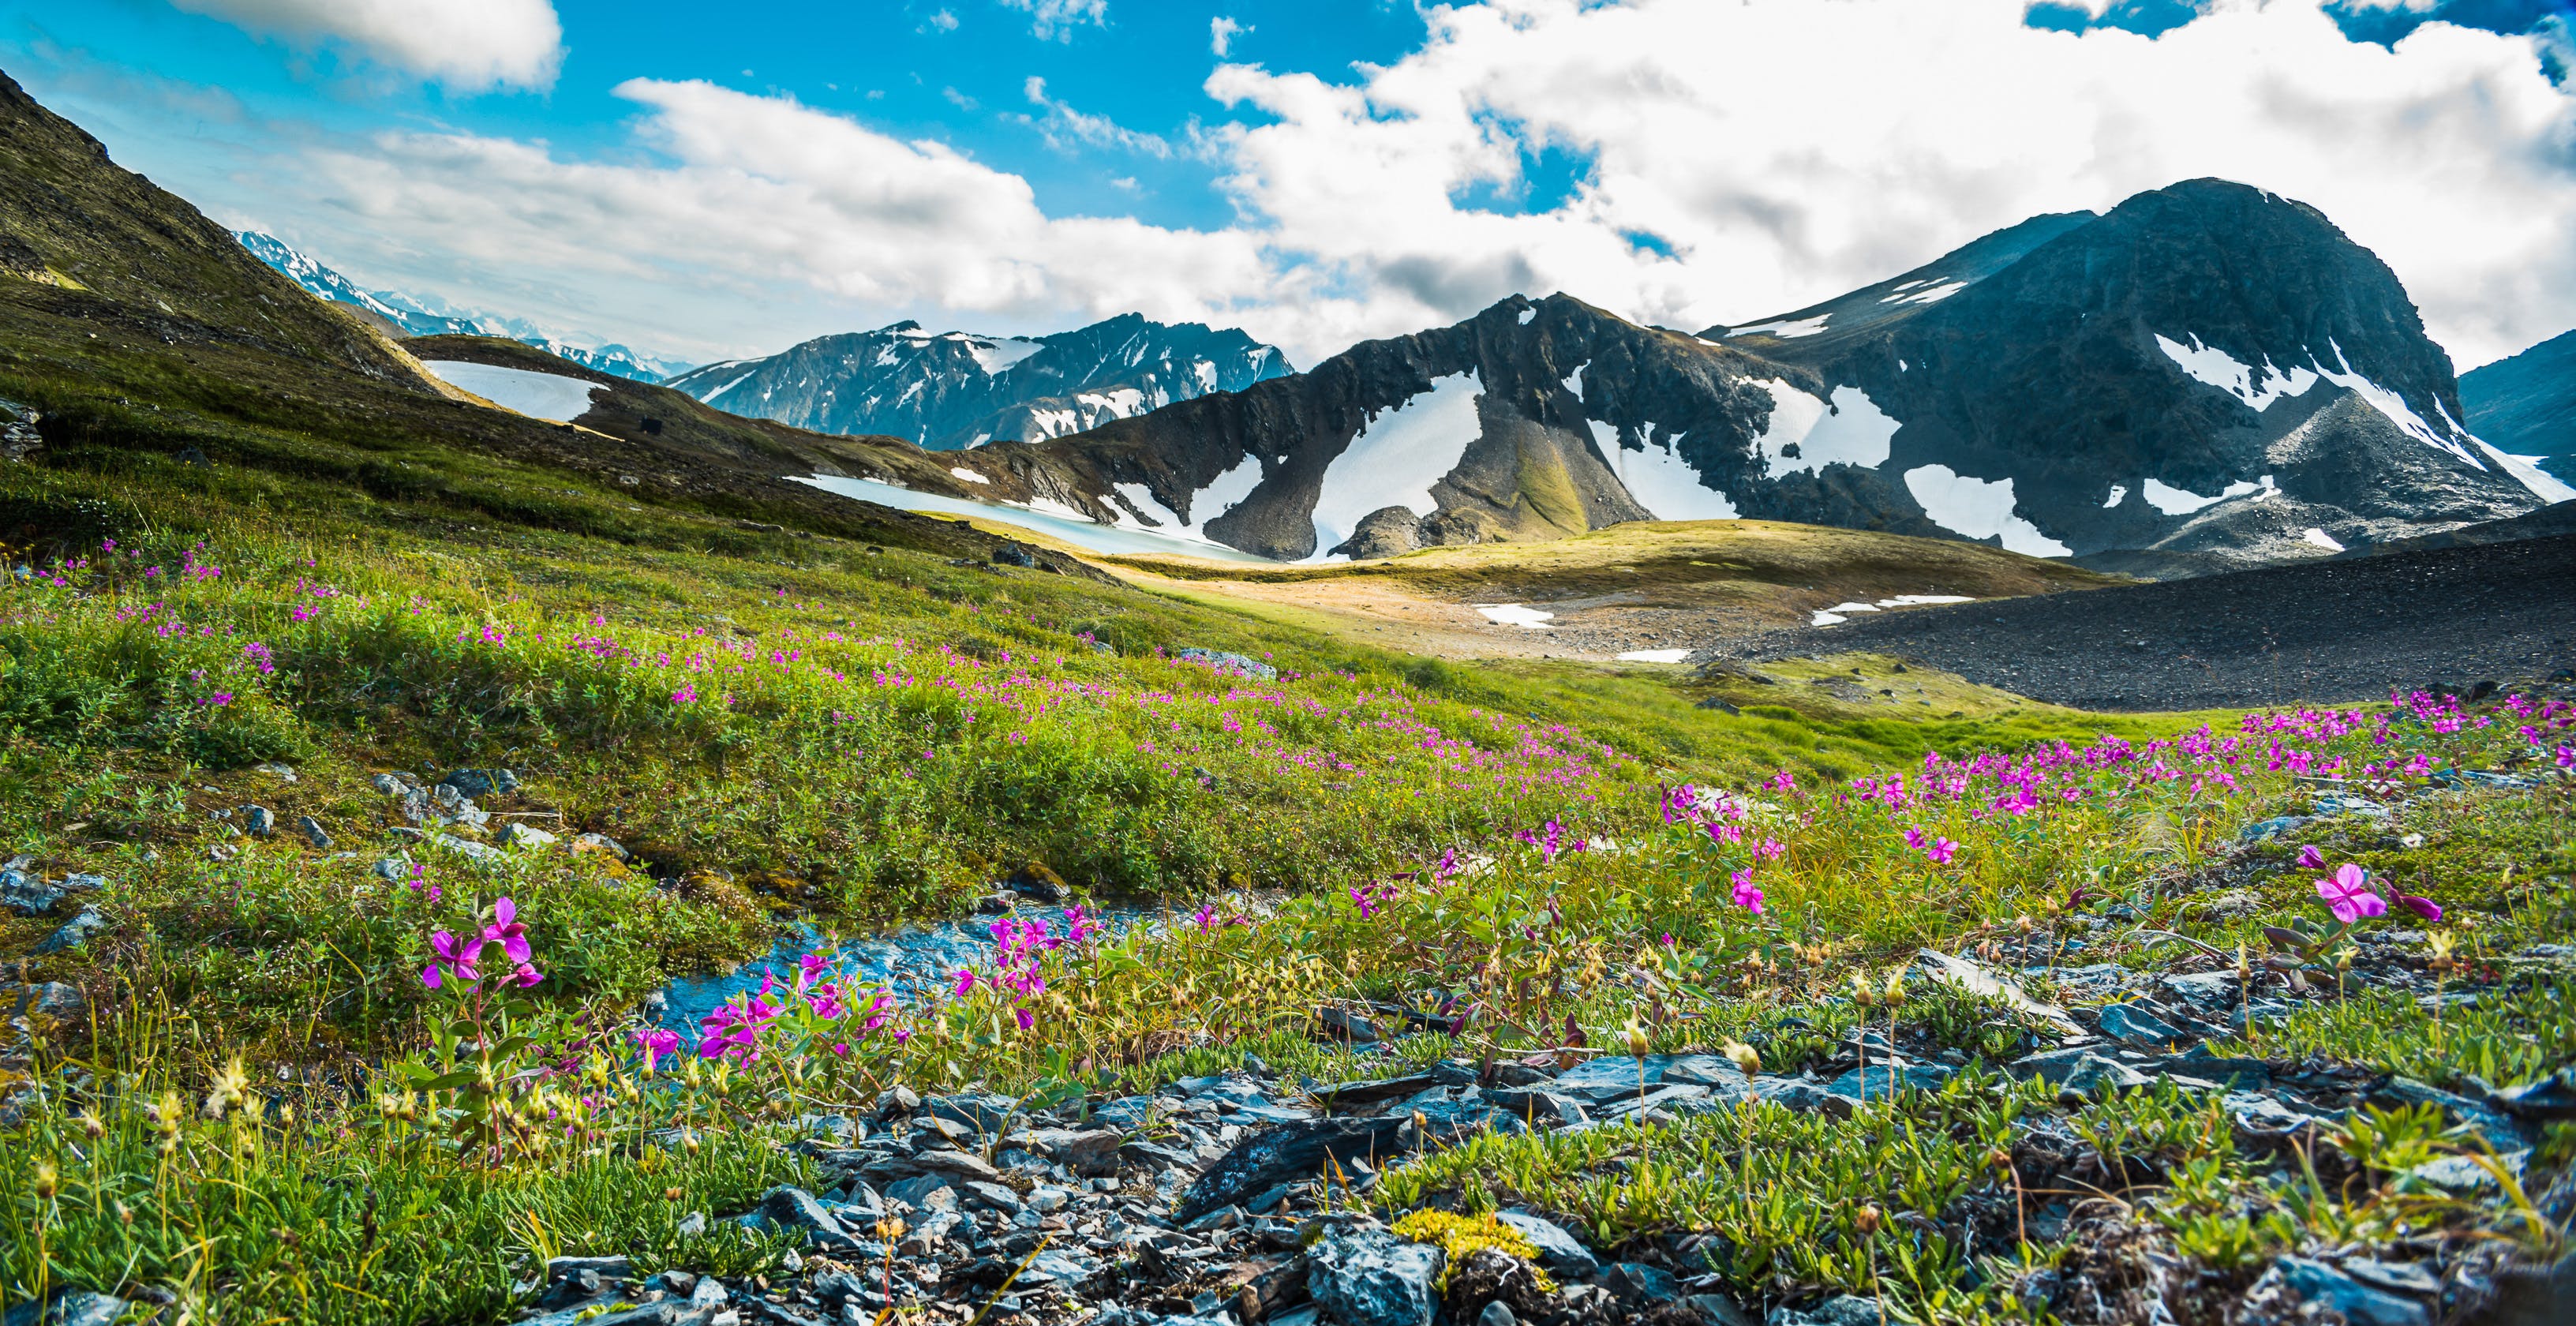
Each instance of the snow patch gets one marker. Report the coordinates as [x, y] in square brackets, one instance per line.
[1854, 432]
[2321, 539]
[1122, 538]
[1396, 458]
[1928, 295]
[2220, 369]
[2119, 491]
[1654, 656]
[1221, 495]
[1823, 618]
[1527, 314]
[2182, 501]
[1120, 402]
[1979, 509]
[968, 475]
[2543, 485]
[1574, 380]
[1205, 371]
[997, 357]
[1853, 607]
[536, 395]
[1784, 327]
[1513, 614]
[2394, 406]
[745, 376]
[1658, 477]
[1909, 600]
[1048, 506]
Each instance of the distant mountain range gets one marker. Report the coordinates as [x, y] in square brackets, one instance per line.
[949, 391]
[2527, 404]
[399, 314]
[2208, 376]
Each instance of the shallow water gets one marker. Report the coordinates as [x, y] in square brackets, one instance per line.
[914, 960]
[1080, 533]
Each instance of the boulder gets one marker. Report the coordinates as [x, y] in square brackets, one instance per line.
[2320, 1284]
[1558, 1251]
[1231, 664]
[1286, 1153]
[74, 932]
[313, 831]
[1369, 1277]
[515, 834]
[1385, 532]
[482, 782]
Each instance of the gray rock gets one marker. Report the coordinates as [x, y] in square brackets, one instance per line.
[2501, 1130]
[2208, 991]
[795, 1208]
[1986, 983]
[1497, 1312]
[2395, 1277]
[1716, 1072]
[606, 1268]
[28, 894]
[1538, 1108]
[990, 1197]
[600, 842]
[1607, 1077]
[2361, 1305]
[1718, 1310]
[2137, 1025]
[479, 853]
[1558, 1251]
[73, 932]
[2094, 1076]
[1849, 1310]
[2551, 1097]
[2462, 1176]
[54, 999]
[1067, 1270]
[78, 1307]
[2264, 1119]
[258, 821]
[515, 834]
[1231, 664]
[313, 831]
[1636, 1286]
[1288, 1153]
[916, 1191]
[1878, 1082]
[482, 782]
[1803, 1096]
[1369, 1277]
[2271, 828]
[984, 1113]
[1092, 1152]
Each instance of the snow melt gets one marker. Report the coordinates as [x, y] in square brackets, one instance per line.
[2220, 369]
[1513, 614]
[536, 395]
[1784, 327]
[1979, 509]
[1854, 431]
[1932, 294]
[2118, 491]
[2321, 539]
[1654, 656]
[968, 475]
[1396, 458]
[2182, 501]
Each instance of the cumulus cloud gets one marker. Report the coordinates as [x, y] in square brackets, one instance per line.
[762, 201]
[1775, 152]
[464, 44]
[1055, 20]
[1221, 34]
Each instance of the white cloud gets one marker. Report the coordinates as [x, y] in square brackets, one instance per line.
[1221, 34]
[1055, 20]
[761, 203]
[1786, 151]
[1063, 126]
[942, 20]
[466, 44]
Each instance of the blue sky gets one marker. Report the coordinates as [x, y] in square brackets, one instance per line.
[705, 181]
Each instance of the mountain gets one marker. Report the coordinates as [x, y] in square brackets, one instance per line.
[2527, 404]
[2206, 376]
[135, 332]
[950, 391]
[399, 314]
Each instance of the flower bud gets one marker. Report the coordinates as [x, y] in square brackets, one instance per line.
[1867, 1220]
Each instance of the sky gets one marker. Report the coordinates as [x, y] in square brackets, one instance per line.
[708, 182]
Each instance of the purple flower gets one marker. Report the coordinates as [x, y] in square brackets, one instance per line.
[2311, 859]
[2348, 894]
[965, 980]
[507, 931]
[1746, 896]
[2423, 907]
[810, 969]
[455, 959]
[1941, 850]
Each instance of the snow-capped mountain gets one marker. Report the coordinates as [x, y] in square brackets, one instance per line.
[2207, 376]
[953, 390]
[410, 315]
[2527, 404]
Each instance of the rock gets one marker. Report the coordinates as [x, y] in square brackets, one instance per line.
[313, 831]
[1353, 1027]
[1066, 1270]
[1091, 1152]
[28, 894]
[1014, 554]
[2271, 828]
[73, 932]
[917, 1191]
[898, 1101]
[2463, 1176]
[2501, 1130]
[2261, 1118]
[515, 834]
[1369, 1277]
[1385, 532]
[1287, 1153]
[1558, 1251]
[2137, 1025]
[1882, 1082]
[983, 1113]
[2200, 1063]
[1497, 1312]
[53, 999]
[1538, 1108]
[2395, 1277]
[605, 1268]
[1985, 983]
[692, 1226]
[1230, 664]
[990, 1197]
[2315, 1282]
[2213, 990]
[1638, 1286]
[1361, 1095]
[996, 904]
[479, 853]
[74, 1308]
[1039, 884]
[395, 784]
[258, 821]
[946, 1161]
[1708, 1070]
[2549, 1098]
[795, 1208]
[600, 842]
[1848, 1310]
[1803, 1096]
[482, 782]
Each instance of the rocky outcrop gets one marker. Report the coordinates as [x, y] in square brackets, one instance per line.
[2526, 405]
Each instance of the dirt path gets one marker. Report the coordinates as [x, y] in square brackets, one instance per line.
[2339, 630]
